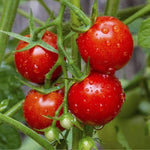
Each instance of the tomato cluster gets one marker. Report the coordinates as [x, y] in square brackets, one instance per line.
[98, 98]
[108, 46]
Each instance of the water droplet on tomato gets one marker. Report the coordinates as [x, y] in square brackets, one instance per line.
[108, 43]
[36, 69]
[105, 30]
[101, 105]
[84, 100]
[116, 28]
[86, 90]
[125, 53]
[123, 96]
[91, 82]
[99, 127]
[88, 110]
[97, 92]
[76, 105]
[111, 71]
[118, 45]
[46, 110]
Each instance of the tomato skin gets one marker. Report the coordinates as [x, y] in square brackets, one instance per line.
[34, 63]
[37, 105]
[108, 44]
[97, 99]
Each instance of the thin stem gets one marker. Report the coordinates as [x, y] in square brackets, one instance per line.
[16, 124]
[126, 12]
[13, 109]
[76, 133]
[138, 14]
[47, 9]
[6, 23]
[26, 15]
[49, 74]
[111, 8]
[75, 21]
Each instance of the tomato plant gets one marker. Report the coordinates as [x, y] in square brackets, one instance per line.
[38, 106]
[33, 64]
[97, 99]
[61, 77]
[107, 44]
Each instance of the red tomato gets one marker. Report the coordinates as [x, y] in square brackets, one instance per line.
[97, 99]
[34, 63]
[108, 44]
[38, 105]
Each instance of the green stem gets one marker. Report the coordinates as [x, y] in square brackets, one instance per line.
[16, 124]
[126, 12]
[74, 21]
[6, 23]
[111, 8]
[47, 9]
[138, 14]
[14, 109]
[49, 74]
[76, 133]
[26, 15]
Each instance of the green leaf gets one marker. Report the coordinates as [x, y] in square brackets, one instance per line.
[31, 23]
[17, 36]
[144, 34]
[10, 88]
[9, 137]
[121, 139]
[46, 46]
[135, 25]
[3, 105]
[94, 12]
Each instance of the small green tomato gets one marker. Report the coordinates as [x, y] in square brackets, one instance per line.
[67, 121]
[52, 134]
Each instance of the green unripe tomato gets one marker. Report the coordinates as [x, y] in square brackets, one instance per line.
[86, 143]
[67, 121]
[52, 134]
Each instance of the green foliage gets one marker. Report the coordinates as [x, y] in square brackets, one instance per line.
[10, 88]
[121, 139]
[9, 137]
[144, 34]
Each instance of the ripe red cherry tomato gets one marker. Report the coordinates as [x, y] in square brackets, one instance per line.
[108, 44]
[34, 63]
[97, 99]
[38, 105]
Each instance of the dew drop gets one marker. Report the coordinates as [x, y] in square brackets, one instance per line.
[86, 89]
[108, 43]
[116, 28]
[91, 82]
[101, 105]
[97, 92]
[125, 53]
[36, 69]
[26, 74]
[99, 127]
[88, 110]
[46, 110]
[76, 105]
[84, 100]
[123, 96]
[118, 45]
[105, 30]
